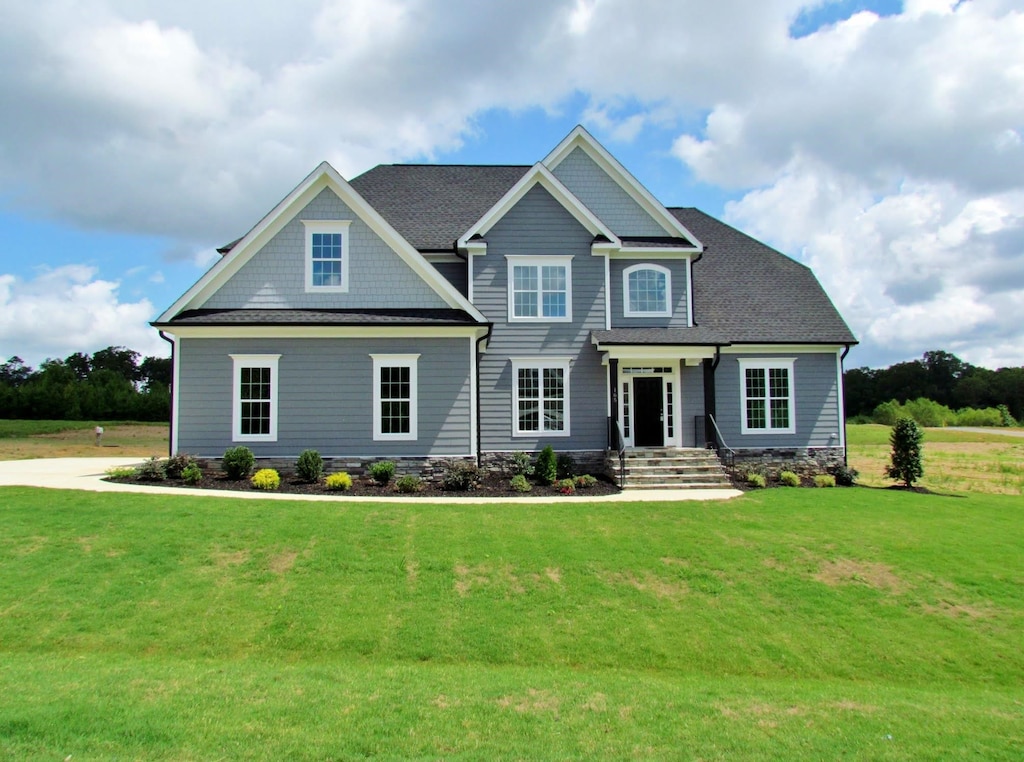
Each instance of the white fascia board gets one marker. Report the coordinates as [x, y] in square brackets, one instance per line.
[655, 352]
[579, 137]
[538, 174]
[652, 252]
[775, 349]
[324, 332]
[324, 176]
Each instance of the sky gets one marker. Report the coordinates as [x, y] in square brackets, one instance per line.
[878, 142]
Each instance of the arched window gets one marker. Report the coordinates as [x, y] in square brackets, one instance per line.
[647, 291]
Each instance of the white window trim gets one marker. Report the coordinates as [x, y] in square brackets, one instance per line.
[327, 226]
[253, 361]
[767, 364]
[396, 361]
[626, 311]
[540, 363]
[515, 260]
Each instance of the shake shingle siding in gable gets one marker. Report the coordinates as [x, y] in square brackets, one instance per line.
[604, 197]
[539, 225]
[325, 396]
[275, 276]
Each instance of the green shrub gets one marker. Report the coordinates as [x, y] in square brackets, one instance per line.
[566, 486]
[310, 466]
[929, 413]
[176, 464]
[152, 470]
[565, 466]
[905, 455]
[546, 467]
[520, 464]
[408, 484]
[757, 480]
[382, 471]
[1004, 416]
[824, 480]
[266, 478]
[789, 479]
[121, 472]
[192, 474]
[460, 476]
[585, 481]
[887, 413]
[969, 416]
[238, 462]
[520, 483]
[340, 481]
[846, 476]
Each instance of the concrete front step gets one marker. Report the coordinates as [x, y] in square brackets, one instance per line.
[674, 469]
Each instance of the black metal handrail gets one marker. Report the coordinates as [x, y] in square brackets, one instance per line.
[726, 453]
[617, 442]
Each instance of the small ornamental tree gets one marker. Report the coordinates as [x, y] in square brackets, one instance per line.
[905, 458]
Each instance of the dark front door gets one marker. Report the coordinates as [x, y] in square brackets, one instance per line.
[647, 413]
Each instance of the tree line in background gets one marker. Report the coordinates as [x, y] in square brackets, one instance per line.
[114, 384]
[938, 390]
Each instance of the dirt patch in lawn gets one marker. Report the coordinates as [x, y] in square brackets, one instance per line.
[845, 571]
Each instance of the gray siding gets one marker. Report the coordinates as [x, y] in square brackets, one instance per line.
[539, 225]
[691, 404]
[604, 197]
[325, 399]
[275, 277]
[816, 392]
[457, 274]
[679, 314]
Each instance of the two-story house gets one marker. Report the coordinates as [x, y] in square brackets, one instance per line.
[425, 312]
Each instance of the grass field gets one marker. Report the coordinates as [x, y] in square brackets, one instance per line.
[855, 623]
[21, 440]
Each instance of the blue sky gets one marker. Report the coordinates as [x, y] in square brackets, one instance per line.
[878, 142]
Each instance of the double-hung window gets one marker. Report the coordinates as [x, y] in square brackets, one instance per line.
[254, 408]
[647, 291]
[394, 397]
[540, 403]
[766, 392]
[327, 255]
[540, 288]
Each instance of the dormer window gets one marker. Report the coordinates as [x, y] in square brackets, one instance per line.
[647, 291]
[327, 255]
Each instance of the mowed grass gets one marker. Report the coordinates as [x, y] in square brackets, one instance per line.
[851, 623]
[22, 440]
[958, 461]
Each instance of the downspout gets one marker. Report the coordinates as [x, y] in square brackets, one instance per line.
[842, 357]
[710, 403]
[170, 413]
[476, 402]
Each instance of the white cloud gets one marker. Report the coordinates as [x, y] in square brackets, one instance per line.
[67, 310]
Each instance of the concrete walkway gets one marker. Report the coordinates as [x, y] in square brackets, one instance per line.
[87, 474]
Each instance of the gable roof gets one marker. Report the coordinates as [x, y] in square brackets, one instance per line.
[324, 176]
[747, 292]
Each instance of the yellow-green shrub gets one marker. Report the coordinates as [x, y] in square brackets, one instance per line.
[824, 480]
[789, 479]
[339, 481]
[266, 478]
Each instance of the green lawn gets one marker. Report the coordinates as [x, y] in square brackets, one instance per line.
[851, 623]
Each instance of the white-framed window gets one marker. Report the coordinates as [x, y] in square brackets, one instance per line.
[766, 396]
[647, 291]
[254, 395]
[395, 393]
[540, 288]
[327, 255]
[540, 396]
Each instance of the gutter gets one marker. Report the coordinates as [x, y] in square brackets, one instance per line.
[170, 413]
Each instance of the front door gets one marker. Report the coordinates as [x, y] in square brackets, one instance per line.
[648, 413]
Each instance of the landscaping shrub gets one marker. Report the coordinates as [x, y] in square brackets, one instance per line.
[546, 467]
[238, 462]
[566, 486]
[846, 476]
[905, 456]
[929, 413]
[176, 464]
[460, 476]
[152, 470]
[520, 465]
[585, 481]
[1004, 416]
[519, 483]
[970, 416]
[408, 484]
[757, 480]
[789, 479]
[340, 481]
[120, 472]
[887, 413]
[192, 474]
[565, 466]
[382, 471]
[310, 466]
[824, 480]
[266, 478]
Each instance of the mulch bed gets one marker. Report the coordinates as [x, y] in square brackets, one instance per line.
[489, 486]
